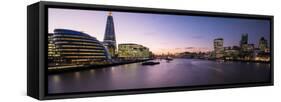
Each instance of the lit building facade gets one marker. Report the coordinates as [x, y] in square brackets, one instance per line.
[78, 48]
[52, 51]
[231, 53]
[133, 51]
[109, 40]
[263, 44]
[218, 48]
[247, 50]
[51, 46]
[264, 57]
[250, 47]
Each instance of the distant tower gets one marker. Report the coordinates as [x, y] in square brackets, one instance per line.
[109, 39]
[218, 48]
[244, 39]
[244, 42]
[263, 44]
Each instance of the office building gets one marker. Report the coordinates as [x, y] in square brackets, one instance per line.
[109, 40]
[218, 48]
[133, 51]
[263, 44]
[244, 42]
[78, 48]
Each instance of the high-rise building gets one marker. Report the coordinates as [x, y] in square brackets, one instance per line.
[109, 40]
[244, 39]
[244, 42]
[218, 48]
[263, 44]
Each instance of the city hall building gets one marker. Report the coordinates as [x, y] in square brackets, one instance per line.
[77, 48]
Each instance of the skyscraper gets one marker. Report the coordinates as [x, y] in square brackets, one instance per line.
[109, 39]
[263, 44]
[244, 42]
[244, 39]
[218, 47]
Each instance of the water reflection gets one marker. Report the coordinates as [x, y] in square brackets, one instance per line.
[56, 78]
[179, 72]
[92, 71]
[77, 75]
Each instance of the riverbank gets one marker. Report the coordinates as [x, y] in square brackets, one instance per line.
[223, 60]
[63, 69]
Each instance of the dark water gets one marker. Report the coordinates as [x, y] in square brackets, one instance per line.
[179, 72]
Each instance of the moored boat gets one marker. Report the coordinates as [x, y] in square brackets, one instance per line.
[150, 63]
[168, 59]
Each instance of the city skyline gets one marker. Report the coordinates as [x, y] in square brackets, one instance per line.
[104, 50]
[181, 33]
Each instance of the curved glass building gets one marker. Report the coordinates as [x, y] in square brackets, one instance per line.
[78, 48]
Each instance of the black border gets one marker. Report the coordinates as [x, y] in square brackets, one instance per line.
[43, 16]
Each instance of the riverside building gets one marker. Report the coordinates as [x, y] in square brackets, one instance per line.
[78, 48]
[133, 51]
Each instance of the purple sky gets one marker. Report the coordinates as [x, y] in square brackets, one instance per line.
[161, 33]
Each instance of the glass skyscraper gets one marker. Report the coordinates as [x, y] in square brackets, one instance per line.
[109, 40]
[263, 44]
[244, 39]
[244, 42]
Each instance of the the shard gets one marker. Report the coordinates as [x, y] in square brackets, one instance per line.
[109, 36]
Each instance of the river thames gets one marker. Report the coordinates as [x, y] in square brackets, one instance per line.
[178, 72]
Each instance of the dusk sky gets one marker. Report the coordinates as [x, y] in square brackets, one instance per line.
[161, 33]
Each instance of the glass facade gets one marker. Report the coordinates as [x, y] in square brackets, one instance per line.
[133, 51]
[78, 48]
[109, 40]
[244, 42]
